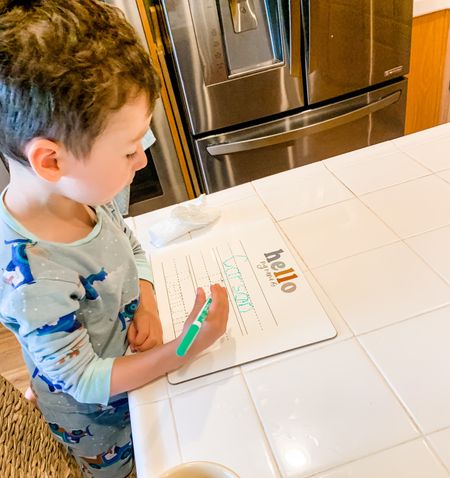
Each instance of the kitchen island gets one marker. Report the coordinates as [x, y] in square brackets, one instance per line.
[370, 231]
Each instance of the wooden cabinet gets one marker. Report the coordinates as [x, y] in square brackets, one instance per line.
[428, 88]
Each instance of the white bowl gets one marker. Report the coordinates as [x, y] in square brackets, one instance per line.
[199, 469]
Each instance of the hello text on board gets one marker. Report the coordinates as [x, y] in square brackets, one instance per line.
[283, 274]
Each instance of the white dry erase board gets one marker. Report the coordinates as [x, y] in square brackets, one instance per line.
[272, 306]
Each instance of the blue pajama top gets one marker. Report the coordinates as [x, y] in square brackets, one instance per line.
[70, 305]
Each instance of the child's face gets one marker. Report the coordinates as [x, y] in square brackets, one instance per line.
[114, 158]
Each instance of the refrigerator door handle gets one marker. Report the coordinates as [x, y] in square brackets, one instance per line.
[295, 38]
[285, 136]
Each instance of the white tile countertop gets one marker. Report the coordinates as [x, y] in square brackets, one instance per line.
[371, 232]
[423, 7]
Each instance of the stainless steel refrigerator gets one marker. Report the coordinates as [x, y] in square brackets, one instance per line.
[269, 85]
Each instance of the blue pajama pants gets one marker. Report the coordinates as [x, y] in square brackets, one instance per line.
[99, 437]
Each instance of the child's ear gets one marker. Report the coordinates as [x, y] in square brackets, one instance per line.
[43, 156]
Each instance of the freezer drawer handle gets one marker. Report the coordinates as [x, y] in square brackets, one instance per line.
[254, 143]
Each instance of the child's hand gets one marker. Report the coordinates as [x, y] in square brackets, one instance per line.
[145, 330]
[215, 324]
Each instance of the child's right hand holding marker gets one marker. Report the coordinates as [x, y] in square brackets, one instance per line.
[133, 371]
[215, 324]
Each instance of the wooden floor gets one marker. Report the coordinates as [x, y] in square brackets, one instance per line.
[12, 366]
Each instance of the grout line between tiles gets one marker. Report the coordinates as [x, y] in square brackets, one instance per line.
[420, 435]
[305, 349]
[318, 473]
[422, 259]
[311, 269]
[416, 234]
[292, 249]
[331, 302]
[378, 217]
[419, 178]
[265, 439]
[338, 179]
[261, 427]
[356, 157]
[334, 261]
[408, 153]
[298, 351]
[318, 284]
[442, 429]
[232, 201]
[390, 387]
[406, 319]
[435, 453]
[421, 138]
[264, 203]
[440, 174]
[308, 210]
[400, 239]
[430, 173]
[314, 209]
[177, 436]
[427, 172]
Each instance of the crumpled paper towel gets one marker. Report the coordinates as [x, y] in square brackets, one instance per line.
[183, 219]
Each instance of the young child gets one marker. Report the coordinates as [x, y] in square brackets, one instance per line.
[76, 95]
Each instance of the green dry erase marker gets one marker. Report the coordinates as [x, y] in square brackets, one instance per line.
[193, 329]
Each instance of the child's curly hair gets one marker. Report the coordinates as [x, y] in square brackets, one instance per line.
[64, 67]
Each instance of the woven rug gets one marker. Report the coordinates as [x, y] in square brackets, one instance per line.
[27, 447]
